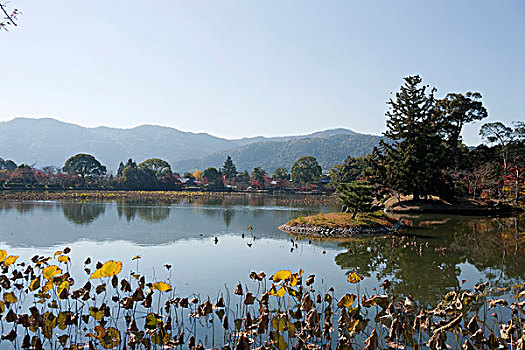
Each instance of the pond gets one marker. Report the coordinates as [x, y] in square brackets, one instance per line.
[209, 245]
[206, 246]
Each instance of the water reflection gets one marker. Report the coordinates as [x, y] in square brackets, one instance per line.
[429, 260]
[82, 213]
[42, 224]
[147, 212]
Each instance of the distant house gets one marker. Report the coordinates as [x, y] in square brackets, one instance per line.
[325, 180]
[187, 182]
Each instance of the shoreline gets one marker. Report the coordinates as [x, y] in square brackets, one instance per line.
[340, 232]
[467, 206]
[341, 225]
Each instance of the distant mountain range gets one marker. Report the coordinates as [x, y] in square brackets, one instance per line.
[48, 141]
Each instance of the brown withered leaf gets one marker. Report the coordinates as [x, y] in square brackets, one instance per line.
[11, 336]
[238, 289]
[310, 280]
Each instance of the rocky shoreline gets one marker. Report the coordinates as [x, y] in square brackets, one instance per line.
[341, 232]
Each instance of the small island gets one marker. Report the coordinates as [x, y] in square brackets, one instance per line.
[342, 225]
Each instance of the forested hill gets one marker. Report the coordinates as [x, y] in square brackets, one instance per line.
[47, 141]
[270, 155]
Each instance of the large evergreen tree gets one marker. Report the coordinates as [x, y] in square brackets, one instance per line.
[229, 170]
[413, 160]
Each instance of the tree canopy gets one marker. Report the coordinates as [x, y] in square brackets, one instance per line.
[412, 162]
[229, 170]
[7, 164]
[158, 166]
[84, 165]
[281, 174]
[306, 170]
[212, 176]
[457, 110]
[349, 171]
[356, 196]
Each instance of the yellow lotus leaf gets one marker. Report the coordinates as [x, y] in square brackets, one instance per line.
[521, 294]
[2, 307]
[3, 255]
[51, 271]
[354, 277]
[279, 341]
[161, 286]
[58, 252]
[96, 274]
[35, 284]
[111, 338]
[346, 301]
[111, 268]
[281, 275]
[280, 293]
[136, 257]
[279, 323]
[63, 258]
[96, 313]
[62, 286]
[301, 272]
[10, 260]
[10, 298]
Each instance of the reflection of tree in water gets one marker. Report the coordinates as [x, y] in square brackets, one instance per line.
[227, 214]
[23, 207]
[83, 213]
[150, 213]
[126, 210]
[427, 277]
[493, 246]
[154, 213]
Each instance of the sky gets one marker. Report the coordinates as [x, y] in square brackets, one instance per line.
[245, 68]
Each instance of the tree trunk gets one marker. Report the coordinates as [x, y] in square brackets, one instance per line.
[354, 214]
[456, 155]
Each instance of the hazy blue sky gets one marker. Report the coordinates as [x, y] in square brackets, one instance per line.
[246, 68]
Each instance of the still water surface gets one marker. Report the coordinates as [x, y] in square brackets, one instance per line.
[211, 249]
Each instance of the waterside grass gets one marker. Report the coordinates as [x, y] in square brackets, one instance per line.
[344, 220]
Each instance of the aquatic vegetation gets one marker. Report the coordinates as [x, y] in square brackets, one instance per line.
[44, 306]
[224, 198]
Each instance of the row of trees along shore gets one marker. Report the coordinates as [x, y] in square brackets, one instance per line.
[84, 171]
[422, 155]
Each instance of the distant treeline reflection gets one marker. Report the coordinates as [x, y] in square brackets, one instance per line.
[85, 213]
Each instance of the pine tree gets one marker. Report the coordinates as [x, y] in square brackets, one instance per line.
[414, 159]
[229, 170]
[356, 196]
